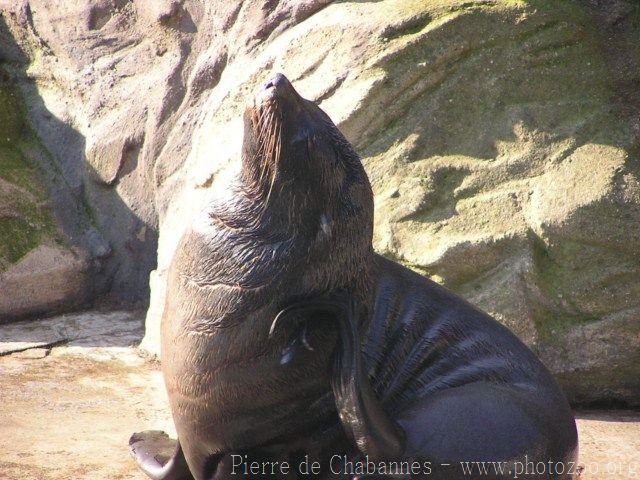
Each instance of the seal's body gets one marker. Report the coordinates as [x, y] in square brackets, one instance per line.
[462, 386]
[365, 357]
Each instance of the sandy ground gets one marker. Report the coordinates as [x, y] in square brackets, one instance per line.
[73, 388]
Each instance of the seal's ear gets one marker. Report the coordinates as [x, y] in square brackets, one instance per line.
[374, 432]
[300, 315]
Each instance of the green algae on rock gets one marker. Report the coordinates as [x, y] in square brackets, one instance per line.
[39, 273]
[21, 190]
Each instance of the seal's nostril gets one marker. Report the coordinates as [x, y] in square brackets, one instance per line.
[278, 81]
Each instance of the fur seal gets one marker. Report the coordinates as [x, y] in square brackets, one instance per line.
[286, 337]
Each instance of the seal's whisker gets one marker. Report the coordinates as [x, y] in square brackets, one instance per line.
[276, 159]
[266, 125]
[267, 152]
[262, 136]
[271, 183]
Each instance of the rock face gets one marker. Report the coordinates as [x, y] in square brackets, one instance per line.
[39, 270]
[86, 82]
[502, 139]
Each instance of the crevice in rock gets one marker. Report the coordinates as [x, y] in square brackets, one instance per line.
[46, 345]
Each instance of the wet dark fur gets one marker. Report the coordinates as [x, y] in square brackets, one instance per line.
[296, 225]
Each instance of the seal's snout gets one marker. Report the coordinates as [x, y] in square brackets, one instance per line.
[278, 82]
[278, 86]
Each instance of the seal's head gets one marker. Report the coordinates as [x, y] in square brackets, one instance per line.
[301, 170]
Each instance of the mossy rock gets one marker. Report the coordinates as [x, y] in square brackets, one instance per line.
[17, 237]
[540, 225]
[11, 116]
[39, 272]
[24, 223]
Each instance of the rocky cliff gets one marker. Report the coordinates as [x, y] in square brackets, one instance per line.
[40, 269]
[502, 138]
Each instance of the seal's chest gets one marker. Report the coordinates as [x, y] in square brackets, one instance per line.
[245, 396]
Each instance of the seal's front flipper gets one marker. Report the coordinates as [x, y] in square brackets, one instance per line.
[375, 433]
[159, 456]
[373, 430]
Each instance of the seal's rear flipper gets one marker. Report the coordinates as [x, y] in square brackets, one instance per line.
[159, 456]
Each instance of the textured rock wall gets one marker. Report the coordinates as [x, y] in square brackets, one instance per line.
[501, 138]
[93, 81]
[40, 270]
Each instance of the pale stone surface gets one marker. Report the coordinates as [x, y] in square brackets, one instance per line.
[81, 330]
[500, 137]
[45, 278]
[609, 444]
[68, 415]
